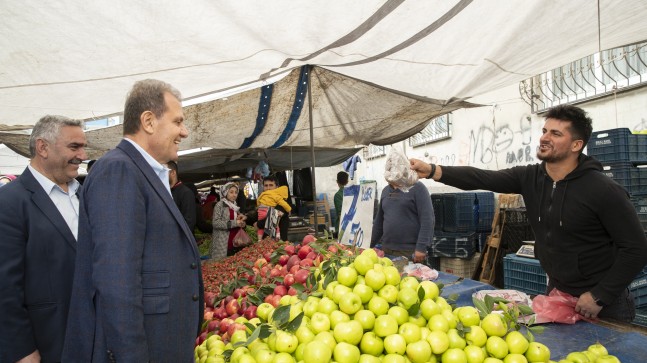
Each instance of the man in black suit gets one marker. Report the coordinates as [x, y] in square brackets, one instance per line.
[38, 232]
[182, 195]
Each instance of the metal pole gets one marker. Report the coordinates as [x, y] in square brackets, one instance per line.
[312, 149]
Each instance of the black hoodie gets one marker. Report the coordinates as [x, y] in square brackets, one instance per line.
[587, 233]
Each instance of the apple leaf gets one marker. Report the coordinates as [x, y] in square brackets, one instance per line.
[531, 337]
[227, 354]
[414, 309]
[260, 332]
[254, 299]
[421, 293]
[316, 294]
[489, 303]
[295, 323]
[330, 277]
[536, 329]
[281, 315]
[204, 325]
[299, 287]
[250, 326]
[480, 306]
[526, 310]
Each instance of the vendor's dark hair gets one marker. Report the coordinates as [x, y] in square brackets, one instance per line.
[271, 178]
[146, 95]
[342, 178]
[581, 124]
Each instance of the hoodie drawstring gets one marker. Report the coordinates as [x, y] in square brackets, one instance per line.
[561, 206]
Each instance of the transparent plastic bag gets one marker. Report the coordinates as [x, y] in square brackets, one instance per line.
[241, 239]
[397, 171]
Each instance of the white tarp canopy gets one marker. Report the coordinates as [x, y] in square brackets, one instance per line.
[382, 68]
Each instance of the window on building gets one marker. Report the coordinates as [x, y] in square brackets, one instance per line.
[373, 151]
[439, 128]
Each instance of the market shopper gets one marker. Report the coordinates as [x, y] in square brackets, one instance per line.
[182, 195]
[137, 294]
[342, 180]
[404, 223]
[38, 233]
[225, 223]
[587, 234]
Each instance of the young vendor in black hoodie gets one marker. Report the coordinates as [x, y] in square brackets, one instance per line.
[588, 236]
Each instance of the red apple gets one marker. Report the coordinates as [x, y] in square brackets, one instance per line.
[238, 293]
[289, 250]
[220, 313]
[250, 313]
[224, 325]
[267, 256]
[280, 290]
[307, 263]
[275, 300]
[292, 291]
[214, 325]
[232, 307]
[208, 315]
[288, 280]
[293, 260]
[283, 259]
[301, 276]
[275, 272]
[260, 263]
[312, 255]
[234, 327]
[303, 251]
[308, 239]
[294, 269]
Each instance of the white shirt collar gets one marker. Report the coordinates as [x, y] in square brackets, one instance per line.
[160, 170]
[48, 185]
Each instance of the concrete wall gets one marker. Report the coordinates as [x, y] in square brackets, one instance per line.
[501, 134]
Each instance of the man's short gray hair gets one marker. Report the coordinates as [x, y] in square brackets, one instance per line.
[48, 128]
[146, 95]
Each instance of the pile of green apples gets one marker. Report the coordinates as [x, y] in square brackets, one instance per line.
[596, 353]
[370, 314]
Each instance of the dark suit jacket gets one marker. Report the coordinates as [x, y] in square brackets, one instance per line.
[137, 294]
[37, 251]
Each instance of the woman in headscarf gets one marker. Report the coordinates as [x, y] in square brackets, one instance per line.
[225, 223]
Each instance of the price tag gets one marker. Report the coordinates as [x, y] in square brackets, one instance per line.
[526, 251]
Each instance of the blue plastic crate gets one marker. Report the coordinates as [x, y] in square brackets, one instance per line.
[461, 245]
[468, 211]
[632, 178]
[641, 317]
[640, 202]
[437, 203]
[523, 274]
[618, 145]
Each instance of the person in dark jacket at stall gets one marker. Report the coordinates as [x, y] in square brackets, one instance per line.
[182, 195]
[589, 239]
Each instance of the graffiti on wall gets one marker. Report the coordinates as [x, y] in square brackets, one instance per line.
[510, 141]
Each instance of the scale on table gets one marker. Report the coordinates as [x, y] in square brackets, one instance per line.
[527, 249]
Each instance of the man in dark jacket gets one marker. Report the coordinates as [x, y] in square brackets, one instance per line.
[588, 236]
[182, 195]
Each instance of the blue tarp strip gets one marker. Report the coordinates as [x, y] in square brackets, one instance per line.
[261, 119]
[299, 100]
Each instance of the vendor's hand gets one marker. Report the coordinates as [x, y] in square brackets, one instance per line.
[242, 217]
[587, 307]
[419, 257]
[423, 169]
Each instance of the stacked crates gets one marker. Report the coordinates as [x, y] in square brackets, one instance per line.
[523, 274]
[463, 221]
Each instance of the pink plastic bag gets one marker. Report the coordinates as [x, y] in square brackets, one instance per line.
[557, 307]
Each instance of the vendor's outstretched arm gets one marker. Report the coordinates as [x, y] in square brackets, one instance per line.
[424, 169]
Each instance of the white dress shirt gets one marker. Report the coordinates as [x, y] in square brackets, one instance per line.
[160, 170]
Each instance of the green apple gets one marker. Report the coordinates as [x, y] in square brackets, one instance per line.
[389, 293]
[431, 289]
[283, 357]
[350, 303]
[285, 300]
[496, 347]
[424, 331]
[477, 336]
[235, 355]
[385, 261]
[455, 340]
[346, 353]
[469, 316]
[319, 322]
[337, 317]
[257, 345]
[340, 290]
[372, 254]
[378, 305]
[517, 343]
[577, 357]
[286, 342]
[238, 336]
[410, 282]
[515, 358]
[298, 354]
[454, 355]
[367, 358]
[474, 354]
[326, 305]
[392, 276]
[364, 292]
[363, 264]
[347, 276]
[410, 332]
[304, 334]
[360, 280]
[296, 308]
[444, 305]
[271, 341]
[371, 344]
[246, 358]
[326, 338]
[590, 355]
[395, 344]
[438, 323]
[366, 318]
[349, 332]
[537, 352]
[264, 356]
[264, 310]
[429, 308]
[385, 325]
[310, 307]
[400, 314]
[451, 318]
[419, 351]
[419, 320]
[375, 279]
[438, 341]
[394, 358]
[598, 349]
[407, 297]
[330, 289]
[494, 325]
[492, 360]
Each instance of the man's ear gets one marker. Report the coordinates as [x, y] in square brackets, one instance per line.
[578, 145]
[42, 148]
[147, 120]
